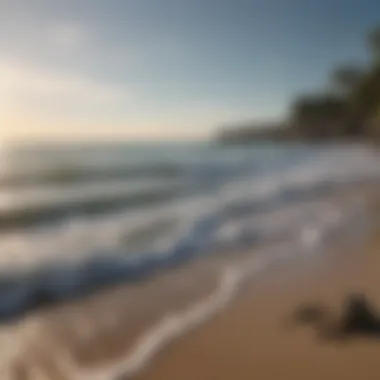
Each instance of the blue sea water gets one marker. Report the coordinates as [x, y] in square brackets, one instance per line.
[75, 218]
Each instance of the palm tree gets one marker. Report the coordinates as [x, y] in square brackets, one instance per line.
[319, 115]
[346, 79]
[374, 43]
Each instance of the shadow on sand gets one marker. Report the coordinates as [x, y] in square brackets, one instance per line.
[356, 319]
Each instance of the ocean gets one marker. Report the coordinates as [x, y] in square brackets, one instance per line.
[176, 228]
[95, 215]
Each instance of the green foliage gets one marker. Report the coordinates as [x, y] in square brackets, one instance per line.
[374, 42]
[352, 109]
[346, 78]
[319, 116]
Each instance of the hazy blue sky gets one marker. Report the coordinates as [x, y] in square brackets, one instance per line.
[166, 68]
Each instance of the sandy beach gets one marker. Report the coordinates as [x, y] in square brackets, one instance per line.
[190, 322]
[256, 338]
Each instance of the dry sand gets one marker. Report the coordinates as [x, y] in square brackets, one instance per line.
[256, 338]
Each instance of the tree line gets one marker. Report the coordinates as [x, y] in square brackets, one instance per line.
[351, 106]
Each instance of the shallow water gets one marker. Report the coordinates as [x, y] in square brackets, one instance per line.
[106, 231]
[178, 261]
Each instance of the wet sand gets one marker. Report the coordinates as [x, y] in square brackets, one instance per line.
[257, 338]
[95, 334]
[254, 337]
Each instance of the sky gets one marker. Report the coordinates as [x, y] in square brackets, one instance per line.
[166, 69]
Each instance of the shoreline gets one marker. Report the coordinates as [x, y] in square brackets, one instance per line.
[92, 337]
[254, 339]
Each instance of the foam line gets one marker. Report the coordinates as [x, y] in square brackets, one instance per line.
[169, 328]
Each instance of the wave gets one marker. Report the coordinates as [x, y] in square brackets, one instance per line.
[74, 174]
[61, 280]
[175, 324]
[311, 238]
[46, 210]
[163, 235]
[292, 212]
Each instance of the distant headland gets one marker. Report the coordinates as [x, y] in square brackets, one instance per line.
[348, 110]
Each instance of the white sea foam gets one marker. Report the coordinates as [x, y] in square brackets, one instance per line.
[167, 329]
[80, 238]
